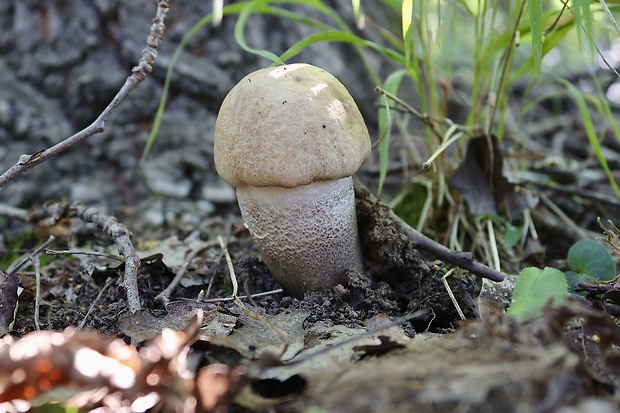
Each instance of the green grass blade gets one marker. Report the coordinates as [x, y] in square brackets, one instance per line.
[392, 83]
[551, 41]
[320, 7]
[339, 36]
[357, 13]
[296, 17]
[606, 109]
[239, 33]
[227, 10]
[583, 18]
[407, 19]
[590, 130]
[536, 13]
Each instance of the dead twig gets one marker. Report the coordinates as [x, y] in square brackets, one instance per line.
[116, 231]
[33, 257]
[460, 259]
[49, 251]
[37, 296]
[164, 296]
[444, 279]
[139, 73]
[256, 295]
[12, 212]
[283, 335]
[107, 285]
[13, 269]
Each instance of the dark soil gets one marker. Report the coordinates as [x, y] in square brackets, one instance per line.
[434, 364]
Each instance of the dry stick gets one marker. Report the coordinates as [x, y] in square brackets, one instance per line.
[139, 73]
[206, 294]
[430, 122]
[37, 296]
[49, 251]
[37, 251]
[283, 335]
[12, 212]
[107, 284]
[121, 236]
[164, 296]
[444, 279]
[610, 16]
[454, 133]
[460, 259]
[255, 295]
[116, 231]
[33, 257]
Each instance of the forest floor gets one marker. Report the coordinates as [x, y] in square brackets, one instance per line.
[389, 339]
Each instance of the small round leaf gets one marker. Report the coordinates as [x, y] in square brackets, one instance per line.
[589, 258]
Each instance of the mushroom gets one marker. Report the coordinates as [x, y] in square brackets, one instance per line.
[289, 138]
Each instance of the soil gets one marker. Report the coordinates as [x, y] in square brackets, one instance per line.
[345, 353]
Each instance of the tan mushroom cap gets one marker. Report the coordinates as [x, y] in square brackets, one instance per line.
[288, 126]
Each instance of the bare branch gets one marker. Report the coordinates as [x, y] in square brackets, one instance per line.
[116, 231]
[457, 258]
[139, 73]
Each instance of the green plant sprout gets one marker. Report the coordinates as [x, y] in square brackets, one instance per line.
[535, 289]
[590, 263]
[512, 234]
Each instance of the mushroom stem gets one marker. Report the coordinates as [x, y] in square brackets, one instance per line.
[307, 234]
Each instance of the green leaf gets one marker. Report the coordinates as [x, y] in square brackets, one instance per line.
[407, 18]
[588, 125]
[512, 235]
[588, 257]
[573, 278]
[534, 289]
[590, 261]
[391, 85]
[230, 9]
[339, 36]
[536, 14]
[240, 32]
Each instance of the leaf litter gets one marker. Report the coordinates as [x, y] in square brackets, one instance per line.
[345, 350]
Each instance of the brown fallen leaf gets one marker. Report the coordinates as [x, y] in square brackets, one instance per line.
[85, 370]
[480, 179]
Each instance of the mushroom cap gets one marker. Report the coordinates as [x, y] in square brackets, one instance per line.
[288, 126]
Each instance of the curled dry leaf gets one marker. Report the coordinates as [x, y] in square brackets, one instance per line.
[480, 178]
[43, 360]
[84, 370]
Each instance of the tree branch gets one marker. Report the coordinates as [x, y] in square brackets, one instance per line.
[116, 231]
[457, 258]
[139, 73]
